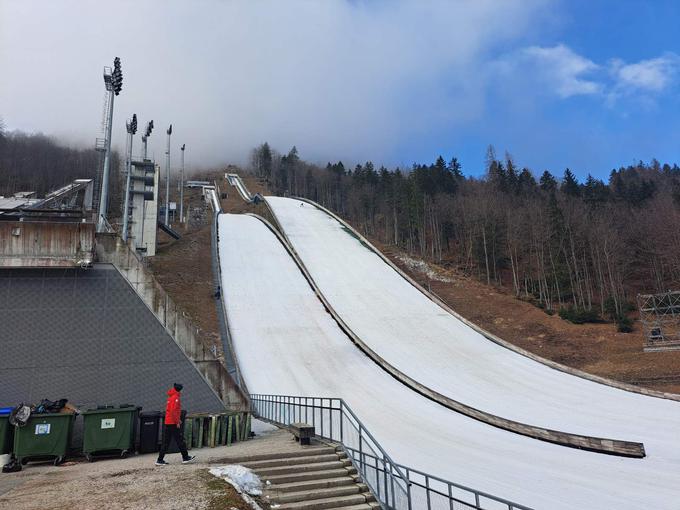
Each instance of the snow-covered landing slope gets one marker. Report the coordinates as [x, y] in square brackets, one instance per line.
[286, 343]
[436, 349]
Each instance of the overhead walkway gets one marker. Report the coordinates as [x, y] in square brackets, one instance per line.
[286, 342]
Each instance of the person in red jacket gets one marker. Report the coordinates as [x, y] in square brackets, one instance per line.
[173, 423]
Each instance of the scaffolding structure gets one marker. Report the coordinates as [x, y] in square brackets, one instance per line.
[660, 318]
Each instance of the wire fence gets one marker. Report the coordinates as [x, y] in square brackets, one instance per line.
[394, 486]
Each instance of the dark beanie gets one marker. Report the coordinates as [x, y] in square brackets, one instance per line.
[178, 387]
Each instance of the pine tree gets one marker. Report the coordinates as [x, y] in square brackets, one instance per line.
[548, 182]
[570, 185]
[266, 160]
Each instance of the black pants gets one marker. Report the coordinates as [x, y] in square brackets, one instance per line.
[173, 431]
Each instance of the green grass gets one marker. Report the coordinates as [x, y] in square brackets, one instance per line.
[220, 495]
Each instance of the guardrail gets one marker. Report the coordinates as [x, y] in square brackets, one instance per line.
[396, 487]
[230, 361]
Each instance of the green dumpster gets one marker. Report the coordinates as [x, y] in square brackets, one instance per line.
[5, 431]
[109, 431]
[45, 435]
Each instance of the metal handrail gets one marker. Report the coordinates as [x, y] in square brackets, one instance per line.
[395, 486]
[335, 421]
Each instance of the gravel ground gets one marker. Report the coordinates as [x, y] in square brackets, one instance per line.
[134, 483]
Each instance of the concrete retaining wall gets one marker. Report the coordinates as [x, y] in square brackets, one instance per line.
[111, 249]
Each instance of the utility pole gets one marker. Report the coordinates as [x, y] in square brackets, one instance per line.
[147, 134]
[167, 179]
[181, 189]
[113, 80]
[131, 130]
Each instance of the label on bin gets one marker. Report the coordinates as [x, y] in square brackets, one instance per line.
[109, 423]
[42, 429]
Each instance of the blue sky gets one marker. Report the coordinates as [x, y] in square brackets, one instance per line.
[591, 129]
[588, 85]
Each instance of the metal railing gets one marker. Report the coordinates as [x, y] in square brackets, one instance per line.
[394, 486]
[334, 420]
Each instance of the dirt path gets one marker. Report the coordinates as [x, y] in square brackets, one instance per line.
[136, 483]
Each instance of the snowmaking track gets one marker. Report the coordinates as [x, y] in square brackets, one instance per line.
[287, 343]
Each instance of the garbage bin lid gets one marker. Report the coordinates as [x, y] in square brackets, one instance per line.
[5, 410]
[149, 414]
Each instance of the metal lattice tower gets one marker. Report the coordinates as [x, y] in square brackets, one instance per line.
[660, 317]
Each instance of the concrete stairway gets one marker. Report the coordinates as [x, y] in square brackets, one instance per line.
[312, 478]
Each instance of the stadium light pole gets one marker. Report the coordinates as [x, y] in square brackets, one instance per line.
[181, 189]
[113, 80]
[146, 135]
[167, 179]
[131, 131]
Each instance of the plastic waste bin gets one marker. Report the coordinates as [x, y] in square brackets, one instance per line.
[44, 435]
[149, 425]
[109, 431]
[5, 431]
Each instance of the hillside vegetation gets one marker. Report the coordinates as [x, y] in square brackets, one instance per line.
[583, 249]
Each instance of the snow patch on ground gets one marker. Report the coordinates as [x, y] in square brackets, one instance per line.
[261, 428]
[240, 476]
[420, 266]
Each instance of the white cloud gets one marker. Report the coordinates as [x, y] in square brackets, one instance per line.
[565, 71]
[339, 78]
[562, 72]
[653, 75]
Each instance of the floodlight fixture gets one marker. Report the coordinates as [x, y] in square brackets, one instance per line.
[117, 76]
[147, 134]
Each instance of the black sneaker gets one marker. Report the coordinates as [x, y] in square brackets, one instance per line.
[161, 463]
[189, 459]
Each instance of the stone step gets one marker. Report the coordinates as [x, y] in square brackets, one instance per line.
[291, 461]
[324, 503]
[323, 483]
[308, 451]
[315, 494]
[299, 468]
[372, 505]
[310, 475]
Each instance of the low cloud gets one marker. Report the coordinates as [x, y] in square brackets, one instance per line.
[565, 71]
[342, 79]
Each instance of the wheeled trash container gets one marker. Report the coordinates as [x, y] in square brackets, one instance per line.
[149, 428]
[109, 431]
[44, 436]
[5, 431]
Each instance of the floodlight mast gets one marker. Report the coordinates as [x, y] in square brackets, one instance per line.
[131, 131]
[146, 135]
[181, 188]
[167, 179]
[113, 81]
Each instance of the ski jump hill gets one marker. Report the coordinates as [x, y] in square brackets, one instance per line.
[314, 309]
